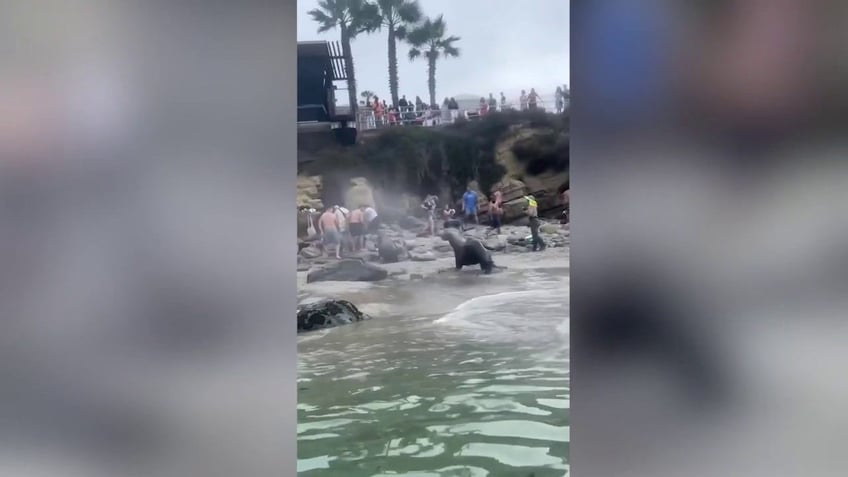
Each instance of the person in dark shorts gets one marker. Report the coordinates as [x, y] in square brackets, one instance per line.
[356, 222]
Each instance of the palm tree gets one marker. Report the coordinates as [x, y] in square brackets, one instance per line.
[351, 17]
[396, 15]
[428, 40]
[367, 94]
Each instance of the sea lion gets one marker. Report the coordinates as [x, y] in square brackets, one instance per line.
[389, 250]
[468, 251]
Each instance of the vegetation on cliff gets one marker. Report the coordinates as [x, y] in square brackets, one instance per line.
[444, 160]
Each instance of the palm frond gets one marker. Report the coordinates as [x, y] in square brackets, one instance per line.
[401, 32]
[450, 51]
[365, 17]
[420, 35]
[324, 21]
[438, 27]
[409, 11]
[414, 53]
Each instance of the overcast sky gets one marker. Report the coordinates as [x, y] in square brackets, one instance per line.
[505, 46]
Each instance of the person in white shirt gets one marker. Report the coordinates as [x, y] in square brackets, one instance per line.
[372, 222]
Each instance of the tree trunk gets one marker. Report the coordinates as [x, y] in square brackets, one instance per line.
[349, 72]
[393, 66]
[431, 80]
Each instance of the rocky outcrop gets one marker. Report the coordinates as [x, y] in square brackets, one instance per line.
[359, 193]
[327, 314]
[309, 192]
[347, 270]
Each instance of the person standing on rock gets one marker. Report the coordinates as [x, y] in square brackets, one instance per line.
[372, 221]
[328, 227]
[496, 210]
[429, 205]
[533, 215]
[344, 233]
[469, 205]
[356, 222]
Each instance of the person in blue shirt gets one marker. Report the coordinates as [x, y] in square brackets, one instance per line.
[469, 205]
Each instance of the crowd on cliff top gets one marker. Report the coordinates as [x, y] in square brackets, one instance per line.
[378, 113]
[341, 230]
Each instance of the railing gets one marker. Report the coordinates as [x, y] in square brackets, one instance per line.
[368, 119]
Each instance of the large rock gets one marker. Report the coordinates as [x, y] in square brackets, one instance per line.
[309, 192]
[327, 314]
[347, 270]
[495, 244]
[511, 189]
[359, 193]
[514, 209]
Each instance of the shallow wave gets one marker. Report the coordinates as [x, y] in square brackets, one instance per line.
[482, 390]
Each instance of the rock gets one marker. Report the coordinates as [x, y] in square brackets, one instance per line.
[442, 247]
[347, 270]
[511, 189]
[327, 314]
[422, 256]
[311, 251]
[309, 192]
[514, 209]
[495, 244]
[416, 276]
[549, 229]
[359, 193]
[399, 271]
[412, 223]
[410, 244]
[303, 266]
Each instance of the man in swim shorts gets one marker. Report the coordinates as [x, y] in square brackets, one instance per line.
[328, 227]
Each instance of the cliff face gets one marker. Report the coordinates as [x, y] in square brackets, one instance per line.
[519, 153]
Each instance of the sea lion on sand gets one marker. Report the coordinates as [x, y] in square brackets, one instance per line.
[468, 251]
[388, 250]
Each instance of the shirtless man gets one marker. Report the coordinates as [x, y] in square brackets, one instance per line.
[356, 222]
[328, 227]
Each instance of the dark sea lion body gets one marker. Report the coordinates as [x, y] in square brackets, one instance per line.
[468, 251]
[388, 250]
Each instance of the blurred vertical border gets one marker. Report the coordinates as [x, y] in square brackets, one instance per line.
[147, 237]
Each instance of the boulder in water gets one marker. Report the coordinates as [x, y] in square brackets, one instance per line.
[327, 314]
[347, 270]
